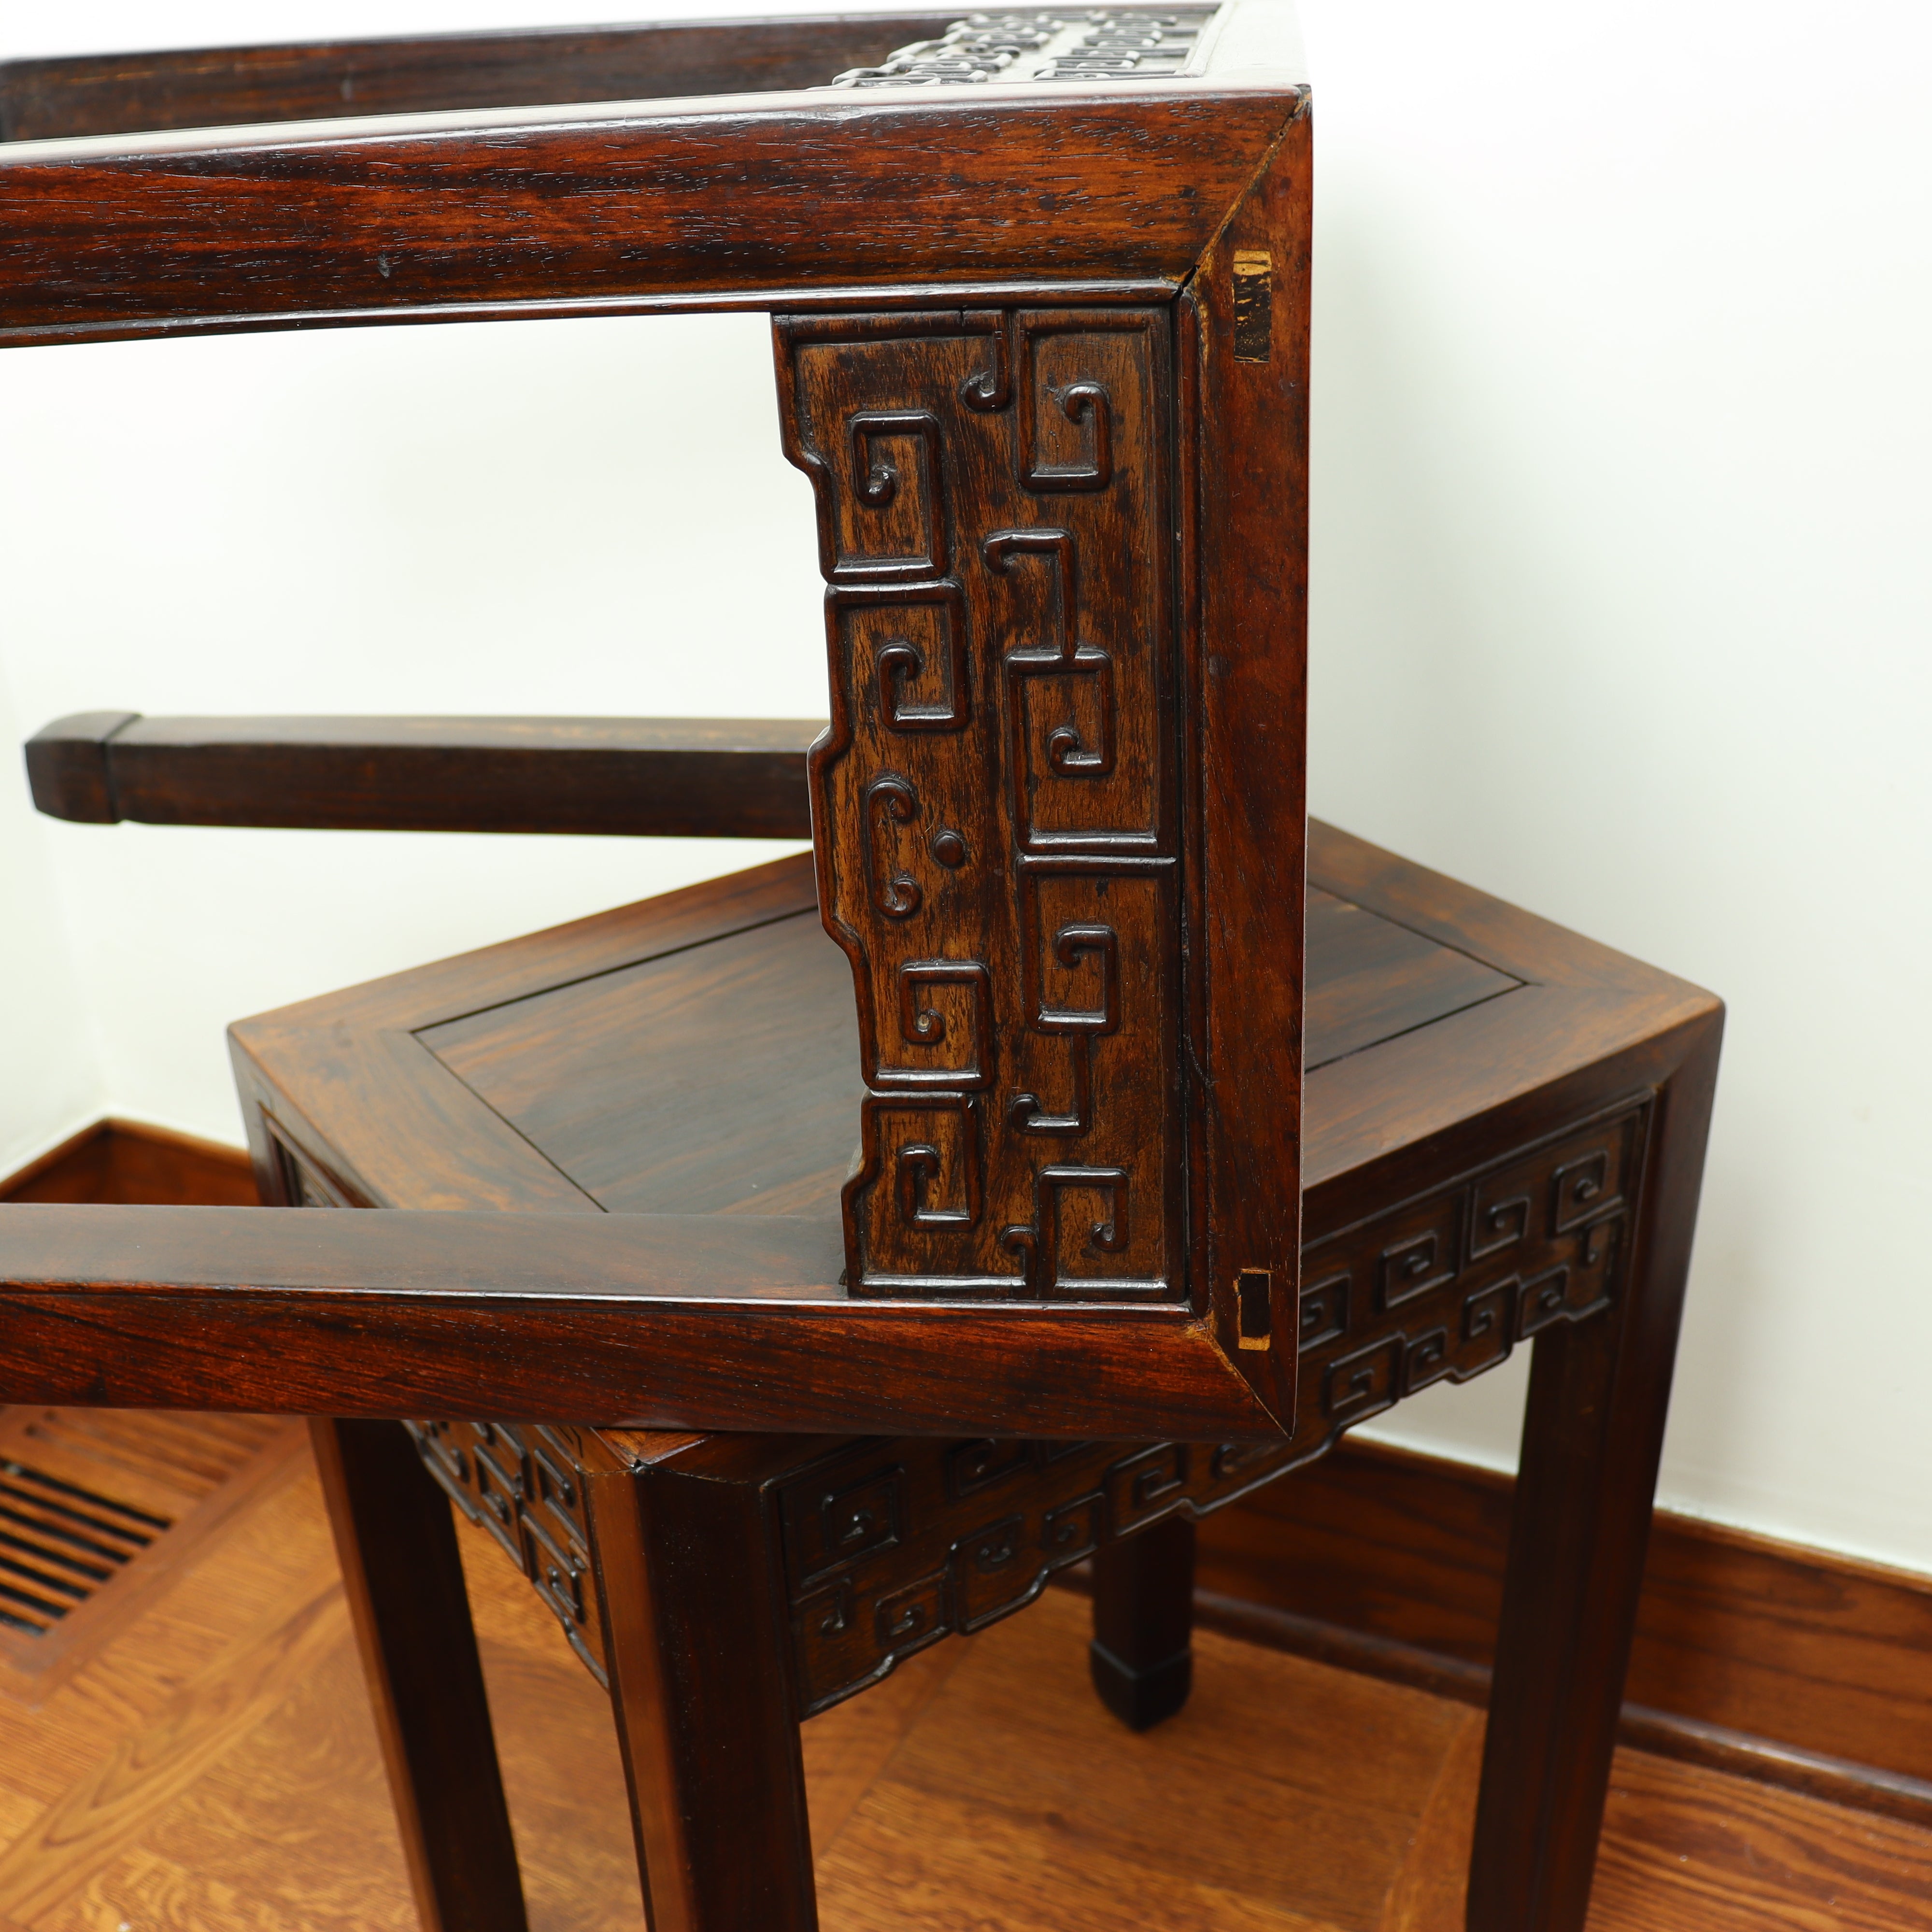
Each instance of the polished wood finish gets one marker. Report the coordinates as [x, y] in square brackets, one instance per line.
[1142, 1654]
[210, 87]
[415, 1315]
[1091, 414]
[705, 778]
[700, 1686]
[1003, 867]
[311, 1071]
[1243, 481]
[680, 1320]
[216, 1767]
[608, 210]
[128, 1162]
[404, 1579]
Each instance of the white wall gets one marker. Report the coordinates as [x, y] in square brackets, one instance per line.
[537, 516]
[1621, 609]
[1623, 600]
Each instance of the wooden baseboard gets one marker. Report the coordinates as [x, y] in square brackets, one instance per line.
[1793, 1665]
[126, 1162]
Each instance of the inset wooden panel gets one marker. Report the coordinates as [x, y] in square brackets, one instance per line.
[712, 1080]
[1369, 979]
[744, 1049]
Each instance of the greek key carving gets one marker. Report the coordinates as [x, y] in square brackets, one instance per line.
[1444, 1288]
[995, 796]
[982, 1524]
[518, 1480]
[908, 534]
[923, 1023]
[1040, 1241]
[916, 634]
[889, 1546]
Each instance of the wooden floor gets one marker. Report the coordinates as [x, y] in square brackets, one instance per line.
[208, 1764]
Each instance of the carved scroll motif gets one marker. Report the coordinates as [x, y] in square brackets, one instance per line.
[995, 798]
[519, 1481]
[890, 1546]
[977, 1528]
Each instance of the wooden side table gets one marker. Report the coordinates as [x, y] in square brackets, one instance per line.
[1504, 1122]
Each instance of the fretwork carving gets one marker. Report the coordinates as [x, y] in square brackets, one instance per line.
[519, 1481]
[949, 1536]
[1444, 1288]
[1080, 44]
[890, 1545]
[995, 799]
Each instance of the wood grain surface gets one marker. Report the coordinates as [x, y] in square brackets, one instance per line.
[1244, 489]
[997, 800]
[378, 1330]
[146, 1490]
[429, 1302]
[1800, 1648]
[712, 778]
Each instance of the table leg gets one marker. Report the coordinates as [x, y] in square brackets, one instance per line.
[1141, 1655]
[1592, 1436]
[404, 1576]
[699, 1648]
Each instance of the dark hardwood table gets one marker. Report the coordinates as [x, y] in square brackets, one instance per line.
[1486, 1095]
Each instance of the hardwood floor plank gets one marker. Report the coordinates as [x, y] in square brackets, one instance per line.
[1277, 1713]
[558, 1748]
[253, 1454]
[111, 1806]
[154, 1893]
[1689, 1849]
[1805, 1648]
[910, 1866]
[272, 1817]
[18, 1814]
[1015, 1765]
[1429, 1889]
[847, 1747]
[565, 1783]
[207, 1607]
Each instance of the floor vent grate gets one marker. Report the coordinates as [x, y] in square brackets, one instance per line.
[59, 1543]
